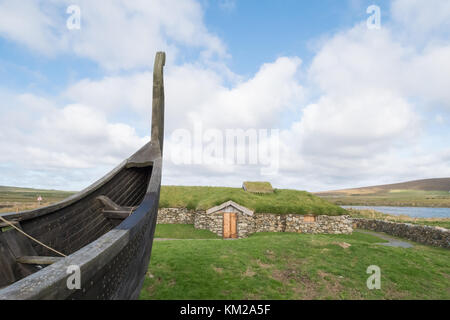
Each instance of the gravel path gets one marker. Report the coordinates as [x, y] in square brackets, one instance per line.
[170, 239]
[393, 242]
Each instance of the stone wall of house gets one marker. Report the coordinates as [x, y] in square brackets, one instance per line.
[245, 225]
[175, 216]
[269, 222]
[260, 222]
[212, 222]
[323, 224]
[435, 236]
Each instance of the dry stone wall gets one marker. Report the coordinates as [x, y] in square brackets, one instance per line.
[212, 222]
[435, 236]
[175, 216]
[269, 222]
[323, 224]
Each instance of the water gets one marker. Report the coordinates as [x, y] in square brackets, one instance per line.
[415, 212]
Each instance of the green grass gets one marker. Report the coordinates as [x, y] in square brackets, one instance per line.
[294, 266]
[182, 231]
[281, 201]
[258, 187]
[398, 198]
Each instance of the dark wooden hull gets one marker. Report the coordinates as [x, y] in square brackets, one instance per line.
[112, 253]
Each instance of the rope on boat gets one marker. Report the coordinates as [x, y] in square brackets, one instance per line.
[30, 237]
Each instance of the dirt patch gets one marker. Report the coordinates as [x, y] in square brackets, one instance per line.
[263, 265]
[331, 282]
[392, 293]
[218, 270]
[270, 255]
[249, 273]
[172, 283]
[319, 242]
[252, 296]
[299, 281]
[151, 289]
[344, 245]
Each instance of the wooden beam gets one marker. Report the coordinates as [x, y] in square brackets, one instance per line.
[158, 101]
[38, 260]
[113, 214]
[108, 203]
[3, 224]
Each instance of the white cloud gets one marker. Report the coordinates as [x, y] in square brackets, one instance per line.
[256, 103]
[357, 118]
[25, 22]
[355, 125]
[422, 20]
[117, 34]
[113, 93]
[195, 93]
[41, 136]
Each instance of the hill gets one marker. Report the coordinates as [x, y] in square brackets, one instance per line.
[440, 184]
[419, 193]
[14, 198]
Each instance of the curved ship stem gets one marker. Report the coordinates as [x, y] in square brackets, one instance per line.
[106, 231]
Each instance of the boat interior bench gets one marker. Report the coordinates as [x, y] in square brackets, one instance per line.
[112, 210]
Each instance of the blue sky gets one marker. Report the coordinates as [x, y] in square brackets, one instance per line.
[260, 31]
[354, 106]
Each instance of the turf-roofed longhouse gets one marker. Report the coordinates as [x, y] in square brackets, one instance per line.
[237, 213]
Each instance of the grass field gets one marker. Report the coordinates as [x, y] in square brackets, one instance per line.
[398, 198]
[182, 231]
[281, 201]
[294, 266]
[13, 199]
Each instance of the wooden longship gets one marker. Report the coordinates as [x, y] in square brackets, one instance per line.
[105, 231]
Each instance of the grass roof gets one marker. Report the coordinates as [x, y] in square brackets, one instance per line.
[258, 187]
[280, 201]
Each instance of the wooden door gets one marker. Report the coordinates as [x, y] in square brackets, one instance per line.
[230, 225]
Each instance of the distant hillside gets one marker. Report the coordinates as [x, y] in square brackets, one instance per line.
[20, 189]
[280, 201]
[440, 184]
[420, 193]
[13, 198]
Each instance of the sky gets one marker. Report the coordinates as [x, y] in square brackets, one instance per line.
[328, 99]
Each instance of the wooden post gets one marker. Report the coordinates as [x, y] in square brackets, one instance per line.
[158, 100]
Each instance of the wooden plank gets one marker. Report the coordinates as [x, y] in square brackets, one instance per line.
[39, 260]
[233, 225]
[7, 275]
[226, 225]
[108, 203]
[112, 214]
[4, 224]
[19, 245]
